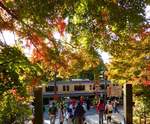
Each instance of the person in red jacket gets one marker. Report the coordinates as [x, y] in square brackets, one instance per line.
[100, 109]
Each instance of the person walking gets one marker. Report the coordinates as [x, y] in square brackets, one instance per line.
[115, 106]
[70, 114]
[52, 113]
[61, 114]
[109, 109]
[100, 110]
[88, 102]
[79, 114]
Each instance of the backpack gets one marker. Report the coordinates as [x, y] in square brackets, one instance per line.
[79, 111]
[101, 107]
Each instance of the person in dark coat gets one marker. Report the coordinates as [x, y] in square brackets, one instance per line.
[88, 103]
[79, 114]
[52, 113]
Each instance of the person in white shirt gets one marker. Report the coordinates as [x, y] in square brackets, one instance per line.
[108, 110]
[115, 106]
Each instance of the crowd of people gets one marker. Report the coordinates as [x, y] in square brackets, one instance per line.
[73, 111]
[105, 110]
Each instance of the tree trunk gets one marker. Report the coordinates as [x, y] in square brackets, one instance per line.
[128, 103]
[140, 120]
[38, 113]
[144, 119]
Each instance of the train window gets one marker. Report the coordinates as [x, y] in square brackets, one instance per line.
[93, 87]
[50, 88]
[90, 87]
[65, 88]
[79, 87]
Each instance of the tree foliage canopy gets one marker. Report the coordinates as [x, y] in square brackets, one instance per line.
[16, 73]
[119, 27]
[91, 24]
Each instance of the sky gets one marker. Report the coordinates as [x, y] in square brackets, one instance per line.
[10, 39]
[105, 57]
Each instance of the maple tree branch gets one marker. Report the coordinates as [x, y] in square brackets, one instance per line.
[136, 48]
[1, 42]
[8, 11]
[144, 49]
[28, 26]
[34, 45]
[71, 45]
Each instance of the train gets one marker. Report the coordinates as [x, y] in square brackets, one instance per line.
[73, 88]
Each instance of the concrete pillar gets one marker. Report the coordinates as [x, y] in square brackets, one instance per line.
[128, 103]
[38, 113]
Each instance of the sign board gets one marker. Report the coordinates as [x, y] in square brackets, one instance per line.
[114, 90]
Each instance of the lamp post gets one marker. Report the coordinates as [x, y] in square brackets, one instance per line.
[104, 77]
[55, 90]
[55, 85]
[55, 82]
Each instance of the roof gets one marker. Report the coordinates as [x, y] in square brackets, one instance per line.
[71, 82]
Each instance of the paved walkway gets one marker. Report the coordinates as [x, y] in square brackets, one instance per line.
[92, 117]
